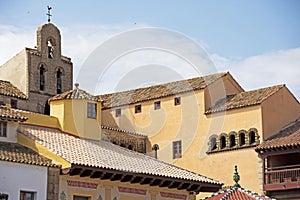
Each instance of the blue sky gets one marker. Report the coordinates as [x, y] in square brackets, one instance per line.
[243, 37]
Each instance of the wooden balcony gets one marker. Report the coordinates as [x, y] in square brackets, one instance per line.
[282, 178]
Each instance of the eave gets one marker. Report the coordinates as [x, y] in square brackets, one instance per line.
[143, 179]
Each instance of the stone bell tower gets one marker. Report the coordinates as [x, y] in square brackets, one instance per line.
[40, 72]
[50, 73]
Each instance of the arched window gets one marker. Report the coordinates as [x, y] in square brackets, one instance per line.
[222, 142]
[42, 78]
[130, 147]
[232, 141]
[213, 143]
[50, 45]
[251, 137]
[155, 148]
[58, 81]
[122, 145]
[242, 139]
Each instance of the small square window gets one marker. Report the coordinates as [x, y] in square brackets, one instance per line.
[13, 103]
[118, 112]
[92, 110]
[157, 105]
[25, 195]
[81, 198]
[3, 129]
[177, 149]
[138, 109]
[177, 101]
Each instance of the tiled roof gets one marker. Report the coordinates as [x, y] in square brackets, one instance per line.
[244, 99]
[124, 131]
[74, 94]
[14, 152]
[108, 122]
[105, 155]
[288, 137]
[8, 89]
[11, 114]
[157, 91]
[237, 194]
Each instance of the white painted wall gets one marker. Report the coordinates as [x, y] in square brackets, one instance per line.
[11, 135]
[15, 177]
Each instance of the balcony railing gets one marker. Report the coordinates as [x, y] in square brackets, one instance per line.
[278, 178]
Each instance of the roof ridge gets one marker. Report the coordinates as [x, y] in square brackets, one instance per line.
[162, 84]
[123, 130]
[245, 98]
[148, 93]
[284, 128]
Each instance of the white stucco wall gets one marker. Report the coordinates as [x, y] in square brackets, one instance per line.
[15, 177]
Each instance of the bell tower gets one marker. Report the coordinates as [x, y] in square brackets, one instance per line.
[50, 73]
[49, 41]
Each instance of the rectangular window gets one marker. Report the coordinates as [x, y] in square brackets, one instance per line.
[177, 101]
[177, 149]
[13, 103]
[92, 110]
[157, 105]
[3, 129]
[80, 198]
[138, 109]
[118, 112]
[25, 195]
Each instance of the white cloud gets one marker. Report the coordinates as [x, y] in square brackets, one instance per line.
[264, 70]
[13, 40]
[273, 68]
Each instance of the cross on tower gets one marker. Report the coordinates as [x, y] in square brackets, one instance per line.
[49, 14]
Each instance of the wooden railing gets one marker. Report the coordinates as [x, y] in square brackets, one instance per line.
[279, 175]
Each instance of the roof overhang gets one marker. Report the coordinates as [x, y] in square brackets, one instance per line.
[143, 179]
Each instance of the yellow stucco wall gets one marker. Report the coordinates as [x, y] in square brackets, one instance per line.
[188, 123]
[108, 190]
[279, 110]
[72, 116]
[41, 120]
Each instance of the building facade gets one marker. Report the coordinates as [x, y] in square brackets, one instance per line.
[205, 125]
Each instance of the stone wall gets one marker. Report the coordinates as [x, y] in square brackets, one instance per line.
[53, 183]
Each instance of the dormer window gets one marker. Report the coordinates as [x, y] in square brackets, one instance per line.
[58, 81]
[50, 48]
[42, 78]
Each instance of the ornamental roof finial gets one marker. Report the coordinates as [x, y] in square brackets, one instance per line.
[236, 177]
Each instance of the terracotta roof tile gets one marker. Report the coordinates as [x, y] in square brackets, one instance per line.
[237, 194]
[101, 154]
[11, 114]
[8, 89]
[14, 152]
[157, 91]
[74, 94]
[244, 99]
[124, 131]
[288, 137]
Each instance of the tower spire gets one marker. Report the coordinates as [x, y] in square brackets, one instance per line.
[49, 13]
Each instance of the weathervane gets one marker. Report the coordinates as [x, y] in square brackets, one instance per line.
[49, 14]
